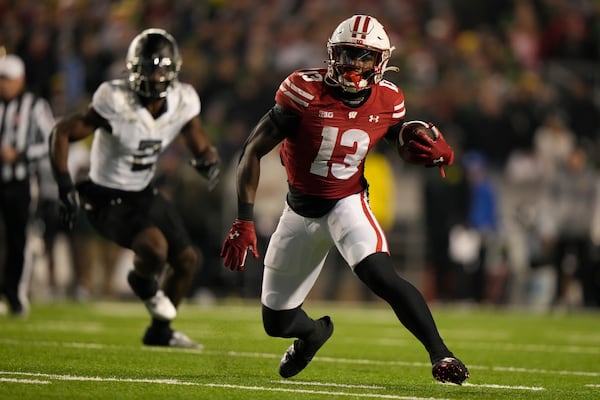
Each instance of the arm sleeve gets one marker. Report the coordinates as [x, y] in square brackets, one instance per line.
[391, 135]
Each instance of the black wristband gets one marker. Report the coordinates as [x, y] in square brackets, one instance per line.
[64, 181]
[245, 211]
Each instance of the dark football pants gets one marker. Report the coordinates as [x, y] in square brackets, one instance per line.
[15, 199]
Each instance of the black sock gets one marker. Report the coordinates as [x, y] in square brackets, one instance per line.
[158, 324]
[377, 272]
[293, 323]
[144, 288]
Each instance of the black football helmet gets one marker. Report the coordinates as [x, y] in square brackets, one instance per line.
[153, 62]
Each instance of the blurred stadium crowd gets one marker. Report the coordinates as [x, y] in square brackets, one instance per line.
[514, 86]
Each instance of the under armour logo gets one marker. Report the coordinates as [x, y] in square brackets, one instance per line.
[373, 118]
[438, 161]
[233, 235]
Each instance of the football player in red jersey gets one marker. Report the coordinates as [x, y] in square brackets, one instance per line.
[328, 120]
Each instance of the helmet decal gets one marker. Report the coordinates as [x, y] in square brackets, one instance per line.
[362, 34]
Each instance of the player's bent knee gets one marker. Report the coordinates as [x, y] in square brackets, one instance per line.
[150, 248]
[186, 262]
[377, 272]
[151, 257]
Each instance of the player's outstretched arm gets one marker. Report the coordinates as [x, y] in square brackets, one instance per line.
[242, 235]
[205, 159]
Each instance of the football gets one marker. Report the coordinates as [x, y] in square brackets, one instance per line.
[409, 131]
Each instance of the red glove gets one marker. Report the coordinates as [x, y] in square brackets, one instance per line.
[241, 237]
[434, 153]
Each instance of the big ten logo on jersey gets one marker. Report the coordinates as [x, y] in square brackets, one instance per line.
[325, 114]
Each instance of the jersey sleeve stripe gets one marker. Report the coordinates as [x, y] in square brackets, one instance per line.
[299, 91]
[295, 98]
[400, 114]
[400, 111]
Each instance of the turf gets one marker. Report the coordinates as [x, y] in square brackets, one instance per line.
[94, 351]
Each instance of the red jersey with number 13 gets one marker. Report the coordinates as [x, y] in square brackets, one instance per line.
[326, 156]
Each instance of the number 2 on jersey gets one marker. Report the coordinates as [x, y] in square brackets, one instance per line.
[147, 154]
[354, 144]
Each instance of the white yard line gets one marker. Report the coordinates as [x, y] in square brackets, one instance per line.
[323, 392]
[26, 381]
[493, 386]
[329, 384]
[337, 360]
[213, 385]
[58, 377]
[532, 348]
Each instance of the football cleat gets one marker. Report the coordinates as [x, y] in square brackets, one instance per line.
[160, 307]
[450, 369]
[301, 352]
[180, 339]
[169, 338]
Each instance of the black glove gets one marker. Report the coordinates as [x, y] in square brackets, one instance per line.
[211, 170]
[69, 201]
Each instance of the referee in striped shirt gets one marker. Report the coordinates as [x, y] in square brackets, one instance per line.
[25, 124]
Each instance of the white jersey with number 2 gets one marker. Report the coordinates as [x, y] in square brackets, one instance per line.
[125, 158]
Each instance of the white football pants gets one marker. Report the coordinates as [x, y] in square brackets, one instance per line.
[299, 246]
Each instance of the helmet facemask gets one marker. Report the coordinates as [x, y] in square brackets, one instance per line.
[153, 62]
[355, 68]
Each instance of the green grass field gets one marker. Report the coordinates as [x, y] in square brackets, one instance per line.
[93, 351]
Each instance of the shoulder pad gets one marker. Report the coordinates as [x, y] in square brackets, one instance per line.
[300, 88]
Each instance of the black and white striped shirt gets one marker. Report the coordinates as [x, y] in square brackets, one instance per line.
[25, 125]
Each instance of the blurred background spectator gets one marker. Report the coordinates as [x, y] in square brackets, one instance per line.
[517, 81]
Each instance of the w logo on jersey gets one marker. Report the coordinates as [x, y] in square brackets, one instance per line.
[361, 26]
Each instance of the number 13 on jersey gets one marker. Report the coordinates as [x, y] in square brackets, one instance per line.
[354, 143]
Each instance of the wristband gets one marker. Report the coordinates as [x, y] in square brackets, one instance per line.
[245, 211]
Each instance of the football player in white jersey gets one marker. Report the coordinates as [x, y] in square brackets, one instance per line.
[327, 121]
[133, 120]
